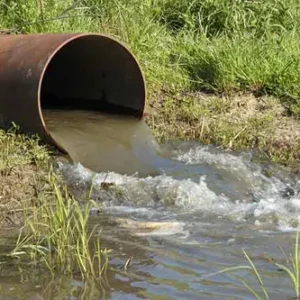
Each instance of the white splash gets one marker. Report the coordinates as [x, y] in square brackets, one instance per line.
[168, 196]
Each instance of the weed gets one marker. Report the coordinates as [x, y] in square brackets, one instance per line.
[56, 235]
[293, 272]
[18, 149]
[190, 46]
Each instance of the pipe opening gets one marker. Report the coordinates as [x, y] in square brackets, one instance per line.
[93, 72]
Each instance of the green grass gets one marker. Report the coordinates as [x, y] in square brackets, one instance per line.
[56, 235]
[215, 46]
[18, 150]
[292, 270]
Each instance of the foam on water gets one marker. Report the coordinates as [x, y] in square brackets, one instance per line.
[165, 196]
[239, 166]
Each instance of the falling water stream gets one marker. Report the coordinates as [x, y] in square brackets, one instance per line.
[180, 211]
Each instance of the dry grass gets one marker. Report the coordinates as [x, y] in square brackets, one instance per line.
[234, 122]
[22, 160]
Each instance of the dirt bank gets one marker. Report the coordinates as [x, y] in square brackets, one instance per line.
[23, 163]
[234, 122]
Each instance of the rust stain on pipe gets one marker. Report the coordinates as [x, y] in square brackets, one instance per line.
[70, 71]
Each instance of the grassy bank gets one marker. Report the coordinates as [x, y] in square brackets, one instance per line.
[226, 48]
[216, 46]
[22, 162]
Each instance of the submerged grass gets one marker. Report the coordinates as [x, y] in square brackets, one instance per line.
[292, 270]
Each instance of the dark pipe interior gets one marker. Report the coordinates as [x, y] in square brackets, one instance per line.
[94, 73]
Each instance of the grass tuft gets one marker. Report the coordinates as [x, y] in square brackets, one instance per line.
[293, 272]
[19, 150]
[56, 235]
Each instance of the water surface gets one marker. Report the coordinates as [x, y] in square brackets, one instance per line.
[187, 214]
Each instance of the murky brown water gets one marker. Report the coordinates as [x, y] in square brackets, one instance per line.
[104, 142]
[180, 226]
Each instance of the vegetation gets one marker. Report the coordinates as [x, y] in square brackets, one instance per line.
[293, 272]
[55, 233]
[213, 46]
[22, 160]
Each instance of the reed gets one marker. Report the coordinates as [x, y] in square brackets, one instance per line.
[292, 269]
[56, 235]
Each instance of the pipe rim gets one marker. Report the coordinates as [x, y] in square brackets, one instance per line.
[48, 61]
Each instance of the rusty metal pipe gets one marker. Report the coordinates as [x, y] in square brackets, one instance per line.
[69, 71]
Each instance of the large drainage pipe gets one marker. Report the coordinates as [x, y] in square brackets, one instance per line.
[70, 71]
